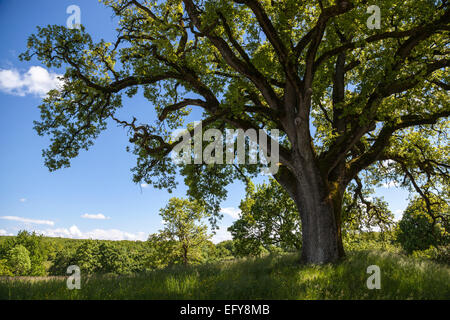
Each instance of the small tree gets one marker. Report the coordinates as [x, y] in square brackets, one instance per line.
[4, 268]
[62, 259]
[19, 260]
[38, 250]
[268, 217]
[114, 259]
[162, 252]
[227, 246]
[419, 229]
[87, 256]
[182, 220]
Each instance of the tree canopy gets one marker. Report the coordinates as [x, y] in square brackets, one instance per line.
[418, 230]
[269, 217]
[183, 229]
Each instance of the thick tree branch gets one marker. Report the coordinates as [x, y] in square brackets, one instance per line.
[382, 141]
[230, 58]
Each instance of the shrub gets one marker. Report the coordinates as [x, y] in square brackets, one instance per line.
[61, 261]
[38, 250]
[4, 268]
[439, 254]
[87, 256]
[19, 260]
[418, 230]
[113, 259]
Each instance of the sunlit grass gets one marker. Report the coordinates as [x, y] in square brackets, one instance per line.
[271, 277]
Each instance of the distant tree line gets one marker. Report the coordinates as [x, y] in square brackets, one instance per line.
[30, 254]
[183, 240]
[268, 224]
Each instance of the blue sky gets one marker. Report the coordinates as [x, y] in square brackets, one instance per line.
[95, 197]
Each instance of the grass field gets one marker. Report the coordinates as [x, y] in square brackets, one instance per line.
[271, 277]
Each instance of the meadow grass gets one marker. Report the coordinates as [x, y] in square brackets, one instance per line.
[270, 277]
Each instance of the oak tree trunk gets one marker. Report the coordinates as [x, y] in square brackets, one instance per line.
[185, 255]
[319, 203]
[321, 234]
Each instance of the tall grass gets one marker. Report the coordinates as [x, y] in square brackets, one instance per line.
[271, 277]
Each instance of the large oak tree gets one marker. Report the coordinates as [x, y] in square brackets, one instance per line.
[354, 105]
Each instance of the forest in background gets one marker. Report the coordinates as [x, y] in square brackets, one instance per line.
[268, 224]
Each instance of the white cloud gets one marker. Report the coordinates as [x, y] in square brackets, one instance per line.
[3, 232]
[398, 214]
[75, 231]
[221, 235]
[144, 185]
[232, 212]
[36, 81]
[114, 234]
[390, 184]
[95, 216]
[72, 232]
[23, 200]
[26, 220]
[97, 234]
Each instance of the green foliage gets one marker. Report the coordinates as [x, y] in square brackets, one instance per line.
[19, 260]
[102, 257]
[439, 254]
[183, 231]
[420, 229]
[163, 252]
[269, 217]
[4, 268]
[61, 261]
[38, 250]
[360, 213]
[366, 241]
[114, 259]
[87, 256]
[227, 246]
